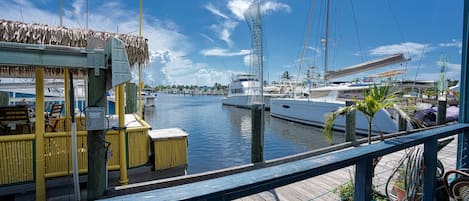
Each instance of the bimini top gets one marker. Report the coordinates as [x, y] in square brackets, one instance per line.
[20, 32]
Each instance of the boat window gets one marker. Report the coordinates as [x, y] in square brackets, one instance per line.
[351, 94]
[318, 94]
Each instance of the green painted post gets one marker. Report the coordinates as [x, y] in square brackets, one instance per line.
[130, 98]
[441, 116]
[4, 99]
[96, 149]
[350, 124]
[402, 123]
[257, 128]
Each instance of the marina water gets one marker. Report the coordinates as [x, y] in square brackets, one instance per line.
[220, 136]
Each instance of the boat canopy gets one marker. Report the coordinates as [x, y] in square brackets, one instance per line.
[370, 65]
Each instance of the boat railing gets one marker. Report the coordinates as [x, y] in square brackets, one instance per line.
[297, 168]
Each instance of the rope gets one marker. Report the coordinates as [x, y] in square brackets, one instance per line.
[356, 30]
[305, 43]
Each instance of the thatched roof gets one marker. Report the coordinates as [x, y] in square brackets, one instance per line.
[10, 31]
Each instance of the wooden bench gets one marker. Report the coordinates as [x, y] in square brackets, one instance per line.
[12, 116]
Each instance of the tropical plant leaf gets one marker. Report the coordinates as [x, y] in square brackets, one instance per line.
[375, 98]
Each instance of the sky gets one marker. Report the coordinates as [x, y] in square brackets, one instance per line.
[204, 42]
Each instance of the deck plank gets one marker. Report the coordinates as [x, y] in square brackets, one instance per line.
[320, 187]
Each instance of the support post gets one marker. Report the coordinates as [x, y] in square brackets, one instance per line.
[40, 129]
[116, 100]
[257, 128]
[122, 145]
[131, 98]
[350, 124]
[363, 179]
[430, 150]
[68, 109]
[441, 116]
[463, 139]
[96, 148]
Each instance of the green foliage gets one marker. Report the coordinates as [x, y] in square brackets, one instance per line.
[346, 191]
[375, 99]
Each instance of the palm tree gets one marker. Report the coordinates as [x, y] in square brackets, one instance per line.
[374, 99]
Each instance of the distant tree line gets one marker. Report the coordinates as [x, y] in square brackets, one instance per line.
[216, 89]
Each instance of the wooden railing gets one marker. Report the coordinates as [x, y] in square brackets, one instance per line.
[256, 180]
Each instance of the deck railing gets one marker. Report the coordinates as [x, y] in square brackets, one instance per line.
[16, 159]
[17, 153]
[257, 180]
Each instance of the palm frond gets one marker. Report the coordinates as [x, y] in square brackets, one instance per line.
[330, 120]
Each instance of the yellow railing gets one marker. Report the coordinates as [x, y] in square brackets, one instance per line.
[138, 144]
[16, 159]
[17, 153]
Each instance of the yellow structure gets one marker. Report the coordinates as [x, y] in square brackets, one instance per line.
[40, 130]
[33, 157]
[17, 162]
[170, 147]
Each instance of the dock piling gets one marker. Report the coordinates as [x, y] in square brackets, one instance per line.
[257, 140]
[350, 124]
[441, 116]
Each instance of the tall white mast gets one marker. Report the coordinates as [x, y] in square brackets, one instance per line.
[326, 47]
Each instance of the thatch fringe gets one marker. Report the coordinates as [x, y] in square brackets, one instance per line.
[10, 31]
[30, 72]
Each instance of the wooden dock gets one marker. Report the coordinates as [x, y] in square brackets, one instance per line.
[321, 187]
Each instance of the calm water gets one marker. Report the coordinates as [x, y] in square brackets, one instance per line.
[220, 136]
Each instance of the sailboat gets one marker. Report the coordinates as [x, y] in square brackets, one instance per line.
[330, 97]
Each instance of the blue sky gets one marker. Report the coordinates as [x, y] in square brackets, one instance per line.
[203, 42]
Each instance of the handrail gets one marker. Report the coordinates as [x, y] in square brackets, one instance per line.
[258, 180]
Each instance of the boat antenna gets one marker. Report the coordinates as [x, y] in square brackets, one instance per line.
[326, 41]
[305, 43]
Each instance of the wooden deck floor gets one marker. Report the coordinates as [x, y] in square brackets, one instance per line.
[321, 187]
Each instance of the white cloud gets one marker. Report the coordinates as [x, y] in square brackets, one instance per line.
[453, 43]
[408, 48]
[238, 7]
[224, 30]
[168, 46]
[207, 38]
[223, 52]
[215, 11]
[272, 6]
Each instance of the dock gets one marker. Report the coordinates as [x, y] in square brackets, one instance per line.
[321, 187]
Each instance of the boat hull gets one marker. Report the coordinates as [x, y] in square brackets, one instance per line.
[314, 113]
[243, 101]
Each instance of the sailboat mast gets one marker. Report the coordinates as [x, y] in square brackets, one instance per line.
[326, 47]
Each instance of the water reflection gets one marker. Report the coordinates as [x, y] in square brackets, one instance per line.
[220, 136]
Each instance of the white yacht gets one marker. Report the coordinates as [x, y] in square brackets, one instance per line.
[324, 100]
[244, 86]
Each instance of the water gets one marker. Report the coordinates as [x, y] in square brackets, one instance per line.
[220, 136]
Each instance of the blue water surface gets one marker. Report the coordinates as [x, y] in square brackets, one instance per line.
[220, 136]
